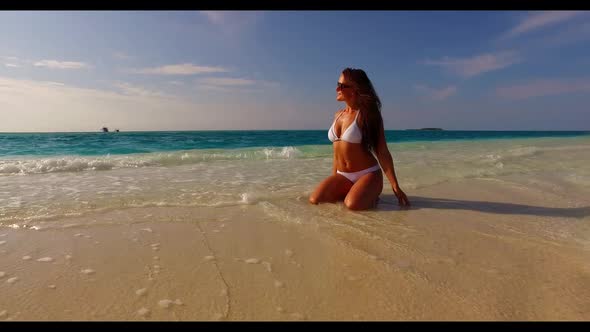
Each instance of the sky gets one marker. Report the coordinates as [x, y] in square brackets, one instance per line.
[78, 71]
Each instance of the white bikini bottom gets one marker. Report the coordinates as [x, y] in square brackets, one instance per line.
[355, 176]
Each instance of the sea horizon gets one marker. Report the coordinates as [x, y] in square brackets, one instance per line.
[321, 129]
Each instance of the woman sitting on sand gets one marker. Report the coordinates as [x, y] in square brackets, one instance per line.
[358, 136]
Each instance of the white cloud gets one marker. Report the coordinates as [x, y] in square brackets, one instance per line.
[135, 90]
[216, 88]
[479, 64]
[122, 56]
[538, 20]
[42, 89]
[545, 87]
[437, 94]
[234, 18]
[180, 69]
[54, 106]
[53, 83]
[233, 23]
[35, 106]
[227, 81]
[13, 62]
[215, 17]
[54, 64]
[232, 83]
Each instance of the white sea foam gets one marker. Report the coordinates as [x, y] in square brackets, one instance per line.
[276, 181]
[103, 163]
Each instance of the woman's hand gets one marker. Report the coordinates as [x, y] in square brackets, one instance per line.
[401, 197]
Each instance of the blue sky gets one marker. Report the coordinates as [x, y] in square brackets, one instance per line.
[191, 70]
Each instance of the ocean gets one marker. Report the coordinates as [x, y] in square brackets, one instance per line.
[216, 225]
[45, 177]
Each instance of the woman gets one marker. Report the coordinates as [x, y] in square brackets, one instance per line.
[358, 136]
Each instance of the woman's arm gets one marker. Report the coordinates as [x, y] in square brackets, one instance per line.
[386, 162]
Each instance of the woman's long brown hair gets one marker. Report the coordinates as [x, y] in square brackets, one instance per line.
[369, 105]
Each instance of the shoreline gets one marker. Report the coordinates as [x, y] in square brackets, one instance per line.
[468, 250]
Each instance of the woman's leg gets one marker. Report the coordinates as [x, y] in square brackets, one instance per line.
[365, 192]
[334, 188]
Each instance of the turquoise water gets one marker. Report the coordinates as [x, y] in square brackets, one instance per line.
[46, 178]
[97, 144]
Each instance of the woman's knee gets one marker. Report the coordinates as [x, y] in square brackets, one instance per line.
[359, 204]
[313, 199]
[353, 204]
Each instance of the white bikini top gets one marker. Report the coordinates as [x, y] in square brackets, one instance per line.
[352, 134]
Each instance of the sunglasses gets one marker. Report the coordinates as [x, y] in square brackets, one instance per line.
[343, 86]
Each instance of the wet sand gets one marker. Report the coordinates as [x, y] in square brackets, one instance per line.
[467, 250]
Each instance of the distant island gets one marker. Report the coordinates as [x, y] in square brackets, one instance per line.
[427, 129]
